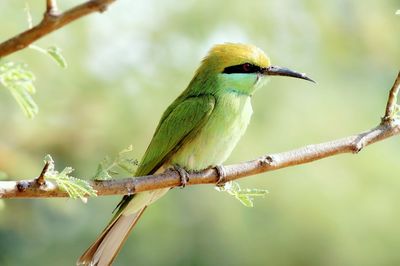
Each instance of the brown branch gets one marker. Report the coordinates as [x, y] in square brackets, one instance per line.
[52, 20]
[392, 101]
[352, 144]
[51, 7]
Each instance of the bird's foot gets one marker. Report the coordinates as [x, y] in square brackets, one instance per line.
[183, 174]
[221, 175]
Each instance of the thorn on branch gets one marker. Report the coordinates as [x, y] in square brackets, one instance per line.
[41, 180]
[51, 8]
[392, 102]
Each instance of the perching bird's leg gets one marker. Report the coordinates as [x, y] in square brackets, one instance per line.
[183, 174]
[221, 175]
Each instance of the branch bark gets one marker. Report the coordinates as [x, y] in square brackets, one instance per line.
[391, 103]
[389, 126]
[52, 20]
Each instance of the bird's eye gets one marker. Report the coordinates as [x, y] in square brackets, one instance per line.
[246, 67]
[242, 68]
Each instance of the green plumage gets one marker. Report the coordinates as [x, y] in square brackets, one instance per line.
[180, 123]
[198, 130]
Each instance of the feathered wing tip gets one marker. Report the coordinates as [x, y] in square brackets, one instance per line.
[106, 247]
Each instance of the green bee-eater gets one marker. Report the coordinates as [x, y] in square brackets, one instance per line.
[198, 130]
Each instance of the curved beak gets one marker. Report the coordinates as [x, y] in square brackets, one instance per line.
[283, 71]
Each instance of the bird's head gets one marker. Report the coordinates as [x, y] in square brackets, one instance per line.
[240, 67]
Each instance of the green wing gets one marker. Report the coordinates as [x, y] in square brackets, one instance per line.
[180, 122]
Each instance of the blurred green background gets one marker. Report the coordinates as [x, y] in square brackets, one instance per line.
[125, 67]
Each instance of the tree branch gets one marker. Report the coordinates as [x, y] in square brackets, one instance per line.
[52, 20]
[353, 144]
[51, 7]
[391, 103]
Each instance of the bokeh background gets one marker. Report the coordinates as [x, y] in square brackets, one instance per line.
[125, 67]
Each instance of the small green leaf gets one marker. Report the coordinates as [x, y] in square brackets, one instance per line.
[75, 187]
[128, 164]
[101, 173]
[245, 200]
[19, 81]
[49, 159]
[254, 192]
[25, 100]
[126, 150]
[245, 196]
[123, 163]
[55, 53]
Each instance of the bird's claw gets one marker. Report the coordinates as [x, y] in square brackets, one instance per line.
[184, 175]
[221, 175]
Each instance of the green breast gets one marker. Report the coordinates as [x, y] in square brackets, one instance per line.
[220, 134]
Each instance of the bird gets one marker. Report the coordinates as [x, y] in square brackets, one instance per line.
[197, 131]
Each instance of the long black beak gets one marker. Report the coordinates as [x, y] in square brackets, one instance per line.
[283, 71]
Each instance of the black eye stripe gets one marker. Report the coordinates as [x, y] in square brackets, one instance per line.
[242, 68]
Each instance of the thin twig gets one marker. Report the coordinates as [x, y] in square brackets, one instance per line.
[40, 179]
[51, 7]
[52, 20]
[392, 101]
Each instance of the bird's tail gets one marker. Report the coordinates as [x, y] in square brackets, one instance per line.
[106, 247]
